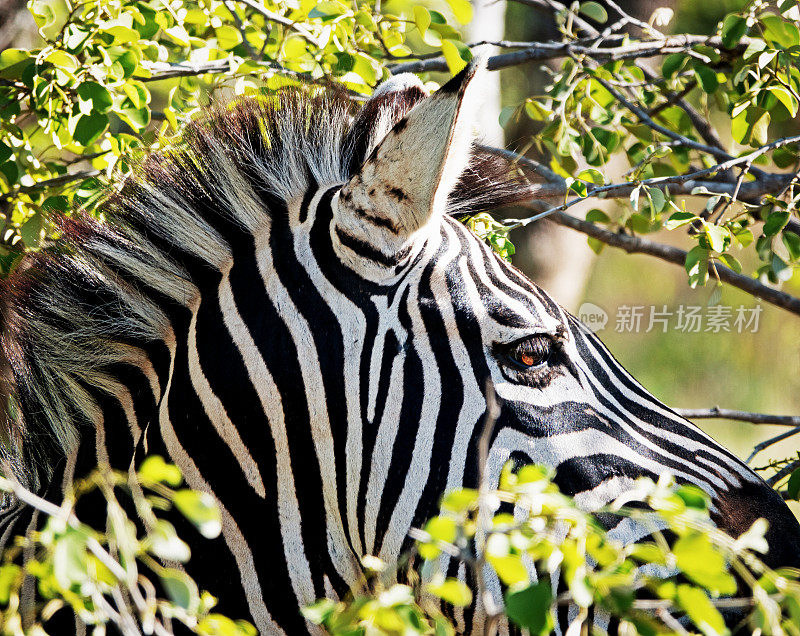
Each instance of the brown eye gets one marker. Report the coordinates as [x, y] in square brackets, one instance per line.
[527, 360]
[530, 353]
[533, 361]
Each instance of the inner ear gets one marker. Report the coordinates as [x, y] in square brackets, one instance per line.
[408, 177]
[390, 103]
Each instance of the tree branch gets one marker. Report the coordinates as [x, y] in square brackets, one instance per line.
[784, 472]
[540, 51]
[55, 182]
[637, 245]
[741, 416]
[772, 440]
[277, 17]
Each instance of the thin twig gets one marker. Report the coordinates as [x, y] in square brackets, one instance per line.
[542, 51]
[240, 27]
[637, 245]
[772, 440]
[784, 472]
[277, 17]
[741, 416]
[55, 182]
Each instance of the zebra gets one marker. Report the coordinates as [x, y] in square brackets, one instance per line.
[284, 305]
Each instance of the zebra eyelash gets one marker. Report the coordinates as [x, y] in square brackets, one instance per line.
[533, 361]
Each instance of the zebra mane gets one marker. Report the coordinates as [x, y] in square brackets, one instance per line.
[94, 300]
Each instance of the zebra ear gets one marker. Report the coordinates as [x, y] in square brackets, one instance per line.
[409, 175]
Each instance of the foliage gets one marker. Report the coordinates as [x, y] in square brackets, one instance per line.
[713, 120]
[113, 576]
[527, 532]
[112, 76]
[706, 124]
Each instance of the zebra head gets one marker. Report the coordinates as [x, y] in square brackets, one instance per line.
[285, 306]
[444, 315]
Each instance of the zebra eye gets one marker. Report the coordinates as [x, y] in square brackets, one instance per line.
[530, 353]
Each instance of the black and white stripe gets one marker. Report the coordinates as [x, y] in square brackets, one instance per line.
[284, 306]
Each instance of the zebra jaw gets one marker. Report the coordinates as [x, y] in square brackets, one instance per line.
[406, 180]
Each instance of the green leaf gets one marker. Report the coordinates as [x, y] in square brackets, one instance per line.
[50, 16]
[89, 128]
[62, 60]
[165, 543]
[592, 176]
[596, 245]
[673, 63]
[781, 268]
[785, 98]
[422, 18]
[648, 553]
[121, 32]
[536, 111]
[779, 31]
[31, 230]
[792, 488]
[460, 500]
[509, 568]
[716, 236]
[706, 77]
[693, 496]
[13, 62]
[594, 11]
[70, 562]
[456, 54]
[529, 607]
[751, 126]
[201, 509]
[137, 93]
[441, 529]
[679, 219]
[597, 216]
[328, 10]
[733, 28]
[319, 612]
[9, 575]
[181, 589]
[731, 262]
[178, 35]
[792, 243]
[698, 607]
[451, 590]
[697, 265]
[462, 10]
[744, 237]
[775, 222]
[5, 152]
[755, 46]
[697, 558]
[155, 469]
[228, 37]
[136, 118]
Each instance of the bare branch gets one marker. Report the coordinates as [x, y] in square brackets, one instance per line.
[772, 440]
[741, 416]
[540, 51]
[637, 245]
[784, 472]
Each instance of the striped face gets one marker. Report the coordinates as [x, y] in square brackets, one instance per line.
[441, 315]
